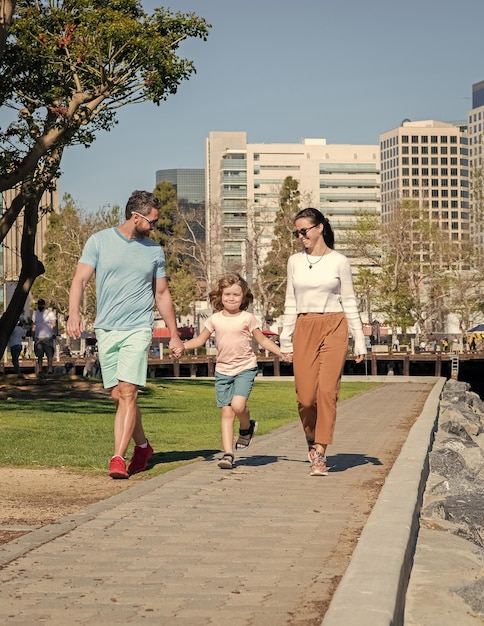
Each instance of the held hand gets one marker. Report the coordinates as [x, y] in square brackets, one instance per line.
[359, 358]
[176, 347]
[287, 357]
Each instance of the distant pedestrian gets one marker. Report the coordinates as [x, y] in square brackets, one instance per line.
[43, 328]
[15, 345]
[320, 309]
[130, 279]
[236, 365]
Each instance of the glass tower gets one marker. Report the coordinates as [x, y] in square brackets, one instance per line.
[189, 185]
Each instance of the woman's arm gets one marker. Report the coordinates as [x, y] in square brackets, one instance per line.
[269, 345]
[290, 308]
[350, 307]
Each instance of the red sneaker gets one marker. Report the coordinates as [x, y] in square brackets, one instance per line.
[117, 468]
[140, 459]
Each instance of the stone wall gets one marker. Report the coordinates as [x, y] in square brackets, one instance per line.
[454, 496]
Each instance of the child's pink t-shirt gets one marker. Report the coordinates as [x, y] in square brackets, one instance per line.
[233, 338]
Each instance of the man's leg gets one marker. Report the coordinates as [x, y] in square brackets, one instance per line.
[39, 353]
[127, 421]
[123, 356]
[49, 353]
[123, 426]
[50, 361]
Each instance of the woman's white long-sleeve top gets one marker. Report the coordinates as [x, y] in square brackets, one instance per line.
[326, 287]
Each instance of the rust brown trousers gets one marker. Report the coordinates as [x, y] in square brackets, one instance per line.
[320, 344]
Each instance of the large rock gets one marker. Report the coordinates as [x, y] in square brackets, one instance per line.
[454, 497]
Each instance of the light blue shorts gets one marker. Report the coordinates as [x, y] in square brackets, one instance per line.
[226, 387]
[123, 355]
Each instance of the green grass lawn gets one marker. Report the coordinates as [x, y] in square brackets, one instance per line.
[180, 418]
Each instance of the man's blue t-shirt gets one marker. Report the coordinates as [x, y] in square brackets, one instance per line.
[125, 270]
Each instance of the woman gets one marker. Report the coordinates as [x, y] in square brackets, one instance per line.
[320, 308]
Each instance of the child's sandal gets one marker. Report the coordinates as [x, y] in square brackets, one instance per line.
[227, 461]
[245, 436]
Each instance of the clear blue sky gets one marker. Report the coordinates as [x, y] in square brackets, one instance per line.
[346, 70]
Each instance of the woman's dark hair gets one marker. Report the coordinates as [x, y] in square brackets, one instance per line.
[317, 217]
[215, 296]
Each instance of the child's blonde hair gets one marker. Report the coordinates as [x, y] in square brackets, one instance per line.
[227, 281]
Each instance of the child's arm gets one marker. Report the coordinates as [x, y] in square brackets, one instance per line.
[268, 344]
[198, 342]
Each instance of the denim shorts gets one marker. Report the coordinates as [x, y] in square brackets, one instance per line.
[226, 387]
[123, 355]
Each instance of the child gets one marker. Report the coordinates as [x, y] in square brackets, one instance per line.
[236, 365]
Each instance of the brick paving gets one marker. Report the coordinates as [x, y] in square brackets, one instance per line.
[264, 544]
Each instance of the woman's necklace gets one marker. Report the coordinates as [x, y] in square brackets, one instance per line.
[311, 263]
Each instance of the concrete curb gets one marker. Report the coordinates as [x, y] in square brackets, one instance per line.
[372, 591]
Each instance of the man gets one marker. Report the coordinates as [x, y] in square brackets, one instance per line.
[130, 277]
[43, 329]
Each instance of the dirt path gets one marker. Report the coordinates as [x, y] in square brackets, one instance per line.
[35, 497]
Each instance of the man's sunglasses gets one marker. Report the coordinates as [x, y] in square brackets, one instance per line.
[302, 231]
[152, 223]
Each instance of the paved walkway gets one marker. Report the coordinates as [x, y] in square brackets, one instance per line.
[264, 544]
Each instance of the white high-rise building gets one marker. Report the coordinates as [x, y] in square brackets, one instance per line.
[428, 162]
[475, 131]
[243, 182]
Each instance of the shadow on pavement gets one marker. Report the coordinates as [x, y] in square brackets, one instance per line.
[174, 456]
[343, 462]
[257, 460]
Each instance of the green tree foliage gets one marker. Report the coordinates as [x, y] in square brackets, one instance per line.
[67, 67]
[170, 226]
[270, 285]
[171, 234]
[66, 235]
[184, 291]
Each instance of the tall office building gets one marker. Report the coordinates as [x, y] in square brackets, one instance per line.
[189, 185]
[243, 182]
[428, 162]
[476, 158]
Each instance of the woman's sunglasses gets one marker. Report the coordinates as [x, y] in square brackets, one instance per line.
[302, 231]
